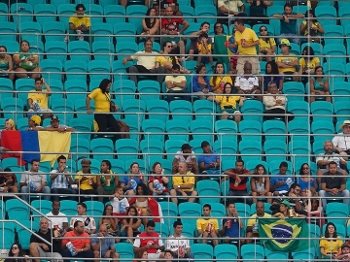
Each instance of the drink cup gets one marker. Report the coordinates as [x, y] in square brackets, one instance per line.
[229, 223]
[91, 182]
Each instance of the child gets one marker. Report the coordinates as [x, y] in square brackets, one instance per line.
[131, 224]
[231, 225]
[204, 50]
[118, 202]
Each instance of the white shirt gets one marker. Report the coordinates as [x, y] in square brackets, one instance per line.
[37, 178]
[91, 225]
[146, 60]
[342, 141]
[173, 243]
[270, 101]
[333, 157]
[119, 205]
[57, 219]
[179, 156]
[246, 84]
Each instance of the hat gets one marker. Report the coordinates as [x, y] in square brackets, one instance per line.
[36, 119]
[54, 117]
[286, 203]
[186, 146]
[285, 42]
[345, 123]
[345, 245]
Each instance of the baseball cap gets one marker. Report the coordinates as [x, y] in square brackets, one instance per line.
[345, 245]
[54, 117]
[285, 42]
[286, 203]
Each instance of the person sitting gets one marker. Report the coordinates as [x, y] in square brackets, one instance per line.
[341, 141]
[38, 100]
[285, 211]
[131, 224]
[168, 58]
[305, 179]
[103, 245]
[17, 254]
[230, 9]
[287, 62]
[119, 203]
[204, 50]
[34, 123]
[85, 180]
[231, 224]
[8, 181]
[307, 64]
[311, 28]
[157, 181]
[107, 181]
[267, 45]
[186, 155]
[200, 84]
[204, 28]
[150, 25]
[258, 11]
[331, 243]
[26, 62]
[319, 86]
[177, 42]
[209, 163]
[248, 84]
[6, 64]
[260, 184]
[219, 79]
[252, 225]
[132, 180]
[162, 5]
[168, 20]
[56, 126]
[79, 24]
[313, 207]
[110, 222]
[175, 85]
[88, 222]
[208, 226]
[58, 220]
[272, 75]
[344, 253]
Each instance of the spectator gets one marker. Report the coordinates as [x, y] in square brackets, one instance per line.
[88, 222]
[307, 64]
[285, 211]
[252, 225]
[280, 183]
[258, 10]
[194, 37]
[272, 75]
[341, 141]
[61, 180]
[167, 59]
[79, 24]
[219, 47]
[169, 19]
[288, 22]
[119, 203]
[204, 50]
[260, 184]
[344, 253]
[330, 244]
[8, 181]
[178, 243]
[305, 180]
[209, 163]
[56, 126]
[293, 197]
[185, 155]
[107, 181]
[103, 244]
[313, 207]
[34, 181]
[208, 226]
[111, 223]
[275, 105]
[150, 25]
[238, 178]
[286, 61]
[200, 84]
[267, 45]
[131, 181]
[157, 181]
[177, 42]
[319, 85]
[38, 99]
[85, 179]
[9, 125]
[131, 224]
[26, 62]
[229, 10]
[333, 185]
[17, 254]
[80, 240]
[124, 3]
[146, 61]
[176, 84]
[311, 28]
[39, 248]
[231, 225]
[168, 256]
[219, 79]
[184, 184]
[149, 241]
[247, 83]
[58, 220]
[232, 50]
[228, 104]
[6, 64]
[163, 4]
[142, 256]
[34, 123]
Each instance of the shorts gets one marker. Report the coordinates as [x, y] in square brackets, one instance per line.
[154, 255]
[56, 255]
[178, 193]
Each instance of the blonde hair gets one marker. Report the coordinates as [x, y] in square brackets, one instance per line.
[13, 126]
[36, 119]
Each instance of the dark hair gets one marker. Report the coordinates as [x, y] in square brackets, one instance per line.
[150, 223]
[207, 205]
[335, 230]
[177, 223]
[204, 23]
[225, 85]
[309, 52]
[76, 223]
[265, 38]
[104, 210]
[287, 5]
[135, 218]
[332, 163]
[34, 160]
[3, 47]
[204, 144]
[108, 163]
[61, 157]
[7, 169]
[274, 68]
[148, 40]
[239, 21]
[283, 164]
[302, 168]
[79, 6]
[144, 188]
[169, 251]
[257, 168]
[203, 35]
[20, 254]
[103, 85]
[294, 185]
[24, 41]
[175, 67]
[165, 43]
[317, 67]
[218, 23]
[199, 68]
[154, 165]
[215, 72]
[83, 205]
[240, 161]
[148, 19]
[308, 12]
[133, 163]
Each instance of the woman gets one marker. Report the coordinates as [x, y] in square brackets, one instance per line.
[331, 243]
[308, 63]
[131, 224]
[26, 63]
[108, 181]
[311, 28]
[272, 75]
[285, 211]
[108, 219]
[150, 24]
[103, 104]
[131, 181]
[220, 39]
[200, 84]
[217, 82]
[267, 45]
[34, 123]
[228, 104]
[319, 85]
[86, 179]
[6, 64]
[313, 207]
[16, 254]
[157, 181]
[9, 124]
[305, 180]
[260, 184]
[142, 256]
[8, 181]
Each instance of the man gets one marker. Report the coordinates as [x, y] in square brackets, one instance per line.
[178, 243]
[149, 241]
[79, 24]
[177, 42]
[40, 248]
[238, 177]
[183, 183]
[166, 59]
[34, 181]
[247, 83]
[8, 181]
[168, 20]
[280, 183]
[187, 155]
[38, 101]
[341, 141]
[85, 179]
[209, 162]
[58, 219]
[229, 9]
[79, 244]
[162, 5]
[289, 23]
[89, 222]
[103, 244]
[56, 126]
[232, 225]
[333, 185]
[252, 225]
[208, 226]
[61, 180]
[286, 61]
[175, 84]
[293, 197]
[146, 63]
[124, 3]
[204, 28]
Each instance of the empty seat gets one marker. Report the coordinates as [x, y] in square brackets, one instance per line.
[79, 50]
[45, 13]
[21, 12]
[114, 13]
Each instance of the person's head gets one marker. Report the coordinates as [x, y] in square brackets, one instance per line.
[169, 11]
[168, 254]
[81, 209]
[239, 166]
[206, 210]
[10, 124]
[182, 168]
[148, 46]
[38, 84]
[34, 121]
[201, 69]
[85, 165]
[205, 26]
[319, 70]
[171, 29]
[177, 225]
[151, 12]
[203, 37]
[35, 164]
[143, 255]
[186, 150]
[284, 206]
[228, 88]
[239, 25]
[271, 68]
[272, 87]
[345, 127]
[134, 168]
[285, 46]
[3, 50]
[311, 15]
[263, 31]
[55, 122]
[175, 69]
[218, 29]
[16, 250]
[247, 68]
[205, 147]
[25, 46]
[150, 227]
[304, 169]
[44, 224]
[142, 190]
[8, 173]
[61, 161]
[105, 85]
[119, 190]
[345, 248]
[288, 9]
[331, 230]
[106, 166]
[308, 52]
[332, 167]
[283, 168]
[56, 206]
[260, 170]
[132, 211]
[79, 227]
[167, 46]
[80, 8]
[328, 146]
[295, 189]
[108, 211]
[103, 229]
[230, 208]
[219, 68]
[260, 208]
[157, 168]
[313, 192]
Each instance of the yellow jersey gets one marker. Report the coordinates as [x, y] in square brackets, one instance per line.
[40, 97]
[225, 79]
[102, 100]
[285, 58]
[247, 36]
[186, 179]
[78, 21]
[228, 101]
[85, 184]
[203, 223]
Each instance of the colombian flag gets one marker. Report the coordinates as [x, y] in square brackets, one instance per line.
[281, 235]
[36, 142]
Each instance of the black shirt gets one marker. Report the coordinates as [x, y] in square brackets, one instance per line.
[47, 237]
[333, 182]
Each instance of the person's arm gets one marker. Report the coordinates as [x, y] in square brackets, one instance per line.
[278, 16]
[144, 26]
[273, 187]
[312, 85]
[303, 27]
[195, 84]
[342, 187]
[320, 28]
[185, 25]
[268, 100]
[252, 185]
[242, 7]
[199, 228]
[181, 84]
[96, 244]
[9, 59]
[87, 102]
[267, 2]
[255, 43]
[324, 187]
[297, 16]
[126, 59]
[301, 66]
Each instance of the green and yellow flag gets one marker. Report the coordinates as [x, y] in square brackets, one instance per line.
[281, 235]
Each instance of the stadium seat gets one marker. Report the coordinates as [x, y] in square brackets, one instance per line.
[84, 2]
[209, 190]
[125, 250]
[322, 129]
[318, 48]
[274, 9]
[79, 148]
[59, 2]
[272, 128]
[181, 110]
[270, 29]
[337, 213]
[250, 150]
[169, 210]
[250, 165]
[10, 105]
[56, 50]
[134, 109]
[117, 166]
[203, 109]
[16, 210]
[68, 207]
[103, 51]
[23, 234]
[158, 109]
[126, 148]
[189, 212]
[201, 130]
[250, 130]
[125, 32]
[8, 31]
[298, 151]
[252, 252]
[30, 31]
[6, 88]
[51, 65]
[79, 51]
[300, 110]
[172, 146]
[202, 252]
[294, 88]
[298, 128]
[341, 110]
[24, 12]
[45, 13]
[188, 12]
[10, 162]
[75, 71]
[304, 255]
[80, 125]
[196, 146]
[23, 86]
[227, 148]
[135, 14]
[205, 13]
[162, 229]
[99, 70]
[326, 12]
[154, 129]
[275, 150]
[125, 49]
[75, 85]
[276, 255]
[95, 12]
[335, 53]
[3, 12]
[21, 124]
[7, 234]
[119, 69]
[94, 208]
[177, 129]
[64, 12]
[146, 88]
[321, 110]
[114, 13]
[335, 34]
[43, 206]
[103, 29]
[104, 146]
[151, 149]
[252, 110]
[342, 90]
[54, 31]
[336, 70]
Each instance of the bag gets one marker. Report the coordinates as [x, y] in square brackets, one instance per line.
[123, 126]
[27, 66]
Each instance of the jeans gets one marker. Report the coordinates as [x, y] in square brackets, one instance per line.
[170, 97]
[45, 191]
[85, 254]
[63, 191]
[344, 193]
[291, 37]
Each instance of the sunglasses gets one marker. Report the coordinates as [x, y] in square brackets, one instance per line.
[171, 29]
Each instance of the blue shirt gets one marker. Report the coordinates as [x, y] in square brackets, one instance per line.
[305, 185]
[126, 180]
[234, 230]
[196, 87]
[275, 180]
[212, 157]
[107, 243]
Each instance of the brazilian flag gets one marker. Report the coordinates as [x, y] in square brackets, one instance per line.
[281, 235]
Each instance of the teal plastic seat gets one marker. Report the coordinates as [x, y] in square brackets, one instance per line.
[103, 29]
[117, 166]
[299, 151]
[170, 212]
[224, 127]
[103, 51]
[204, 110]
[250, 130]
[23, 234]
[299, 128]
[341, 110]
[94, 208]
[43, 206]
[252, 110]
[24, 85]
[22, 123]
[8, 31]
[188, 12]
[252, 251]
[78, 51]
[337, 213]
[24, 11]
[51, 65]
[158, 109]
[322, 129]
[102, 145]
[3, 12]
[30, 31]
[272, 129]
[79, 147]
[336, 33]
[177, 129]
[304, 255]
[68, 207]
[226, 147]
[10, 162]
[99, 70]
[188, 212]
[151, 149]
[75, 71]
[151, 127]
[75, 85]
[205, 10]
[125, 90]
[16, 210]
[218, 210]
[119, 69]
[134, 109]
[326, 12]
[321, 110]
[202, 130]
[162, 229]
[63, 108]
[202, 252]
[45, 13]
[6, 87]
[208, 191]
[95, 12]
[270, 29]
[80, 125]
[57, 31]
[7, 234]
[276, 255]
[275, 150]
[125, 250]
[12, 105]
[126, 148]
[64, 12]
[335, 53]
[125, 49]
[335, 68]
[146, 88]
[300, 110]
[181, 109]
[135, 14]
[196, 146]
[172, 146]
[292, 88]
[11, 46]
[114, 13]
[342, 92]
[274, 9]
[250, 165]
[56, 50]
[225, 252]
[59, 2]
[127, 32]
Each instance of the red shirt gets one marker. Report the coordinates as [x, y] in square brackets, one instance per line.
[242, 186]
[78, 243]
[160, 179]
[144, 238]
[175, 21]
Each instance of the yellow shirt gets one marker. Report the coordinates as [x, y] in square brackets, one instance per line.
[225, 79]
[163, 59]
[40, 97]
[85, 184]
[187, 179]
[248, 36]
[314, 25]
[102, 101]
[203, 50]
[172, 79]
[202, 223]
[78, 21]
[228, 101]
[270, 43]
[148, 60]
[252, 220]
[285, 58]
[331, 246]
[309, 64]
